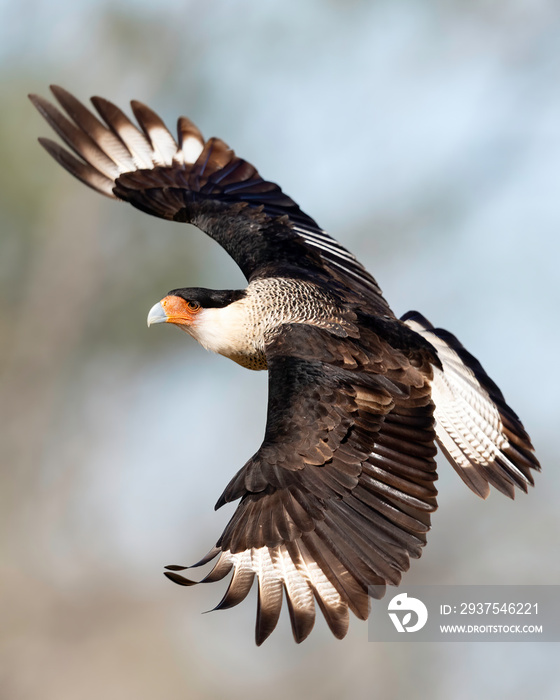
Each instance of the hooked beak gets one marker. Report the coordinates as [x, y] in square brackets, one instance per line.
[173, 309]
[157, 314]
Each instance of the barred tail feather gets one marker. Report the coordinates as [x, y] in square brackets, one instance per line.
[477, 431]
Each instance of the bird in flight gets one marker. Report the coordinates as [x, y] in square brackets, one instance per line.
[338, 497]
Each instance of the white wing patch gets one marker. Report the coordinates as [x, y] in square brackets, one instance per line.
[192, 148]
[118, 146]
[164, 146]
[277, 569]
[191, 141]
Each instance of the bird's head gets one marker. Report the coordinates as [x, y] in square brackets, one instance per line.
[181, 310]
[209, 315]
[186, 307]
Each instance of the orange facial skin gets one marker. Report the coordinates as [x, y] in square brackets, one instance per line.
[179, 311]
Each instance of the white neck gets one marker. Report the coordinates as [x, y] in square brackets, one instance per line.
[230, 331]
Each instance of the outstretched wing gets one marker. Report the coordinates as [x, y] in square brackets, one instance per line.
[200, 182]
[478, 432]
[339, 495]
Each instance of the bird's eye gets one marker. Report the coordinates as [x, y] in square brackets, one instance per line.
[193, 305]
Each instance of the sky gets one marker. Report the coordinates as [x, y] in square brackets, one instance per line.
[426, 138]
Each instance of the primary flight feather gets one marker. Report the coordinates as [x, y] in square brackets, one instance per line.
[339, 495]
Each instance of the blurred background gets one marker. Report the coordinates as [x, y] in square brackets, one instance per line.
[426, 138]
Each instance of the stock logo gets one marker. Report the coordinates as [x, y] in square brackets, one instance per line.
[403, 604]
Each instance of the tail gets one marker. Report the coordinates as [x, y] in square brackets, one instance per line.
[477, 431]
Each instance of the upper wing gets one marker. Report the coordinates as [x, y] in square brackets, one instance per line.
[478, 432]
[200, 182]
[339, 495]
